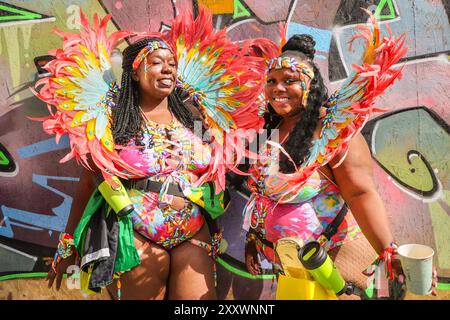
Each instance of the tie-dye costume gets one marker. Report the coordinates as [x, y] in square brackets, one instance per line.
[168, 156]
[302, 204]
[275, 214]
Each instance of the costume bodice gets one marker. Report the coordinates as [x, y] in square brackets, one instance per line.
[168, 150]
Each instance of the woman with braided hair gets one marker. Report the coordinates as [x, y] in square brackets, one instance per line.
[138, 222]
[170, 232]
[324, 165]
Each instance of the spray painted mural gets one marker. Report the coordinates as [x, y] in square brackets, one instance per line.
[409, 144]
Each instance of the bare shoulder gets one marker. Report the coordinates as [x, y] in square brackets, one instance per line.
[354, 173]
[357, 154]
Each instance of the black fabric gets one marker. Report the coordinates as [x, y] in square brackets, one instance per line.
[147, 185]
[102, 232]
[332, 228]
[266, 242]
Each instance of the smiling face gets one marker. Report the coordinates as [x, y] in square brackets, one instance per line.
[284, 91]
[157, 74]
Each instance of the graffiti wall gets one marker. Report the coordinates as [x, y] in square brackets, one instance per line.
[409, 144]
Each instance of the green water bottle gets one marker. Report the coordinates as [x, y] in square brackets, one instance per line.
[117, 197]
[316, 260]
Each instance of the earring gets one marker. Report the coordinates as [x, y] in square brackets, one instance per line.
[305, 99]
[305, 94]
[146, 67]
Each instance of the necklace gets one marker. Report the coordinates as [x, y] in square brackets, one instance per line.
[154, 124]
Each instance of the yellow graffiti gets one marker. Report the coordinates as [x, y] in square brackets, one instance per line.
[18, 48]
[219, 6]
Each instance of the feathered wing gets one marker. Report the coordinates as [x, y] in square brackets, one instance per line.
[224, 83]
[81, 86]
[266, 49]
[350, 107]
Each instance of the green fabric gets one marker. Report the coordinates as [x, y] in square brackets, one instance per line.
[216, 204]
[127, 255]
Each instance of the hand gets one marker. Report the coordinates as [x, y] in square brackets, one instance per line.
[400, 277]
[61, 269]
[434, 282]
[251, 258]
[177, 203]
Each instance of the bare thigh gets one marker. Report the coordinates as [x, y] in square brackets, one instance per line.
[191, 271]
[351, 259]
[146, 281]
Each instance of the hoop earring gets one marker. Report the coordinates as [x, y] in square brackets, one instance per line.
[146, 67]
[305, 95]
[305, 99]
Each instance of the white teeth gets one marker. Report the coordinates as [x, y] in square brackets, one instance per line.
[281, 99]
[166, 82]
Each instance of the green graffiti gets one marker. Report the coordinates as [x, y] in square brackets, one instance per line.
[242, 273]
[440, 220]
[4, 161]
[25, 276]
[443, 286]
[17, 14]
[380, 7]
[240, 11]
[411, 146]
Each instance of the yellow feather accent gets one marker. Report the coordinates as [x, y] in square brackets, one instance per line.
[373, 45]
[80, 62]
[212, 57]
[67, 105]
[180, 47]
[90, 129]
[229, 91]
[89, 55]
[191, 53]
[62, 81]
[102, 52]
[74, 72]
[320, 158]
[77, 119]
[226, 78]
[67, 93]
[334, 143]
[107, 139]
[68, 85]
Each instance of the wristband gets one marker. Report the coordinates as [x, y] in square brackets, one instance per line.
[385, 257]
[64, 250]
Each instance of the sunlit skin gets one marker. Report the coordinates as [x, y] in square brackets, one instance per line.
[285, 94]
[284, 91]
[157, 78]
[353, 176]
[185, 272]
[156, 83]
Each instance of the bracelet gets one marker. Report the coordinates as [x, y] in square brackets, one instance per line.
[385, 257]
[250, 237]
[65, 249]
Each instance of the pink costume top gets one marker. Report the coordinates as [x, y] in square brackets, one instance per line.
[171, 154]
[275, 213]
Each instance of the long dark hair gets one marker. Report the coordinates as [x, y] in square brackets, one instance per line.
[301, 47]
[127, 119]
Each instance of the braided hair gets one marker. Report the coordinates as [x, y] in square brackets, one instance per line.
[127, 119]
[301, 47]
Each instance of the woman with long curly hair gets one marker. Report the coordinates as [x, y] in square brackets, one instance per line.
[297, 95]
